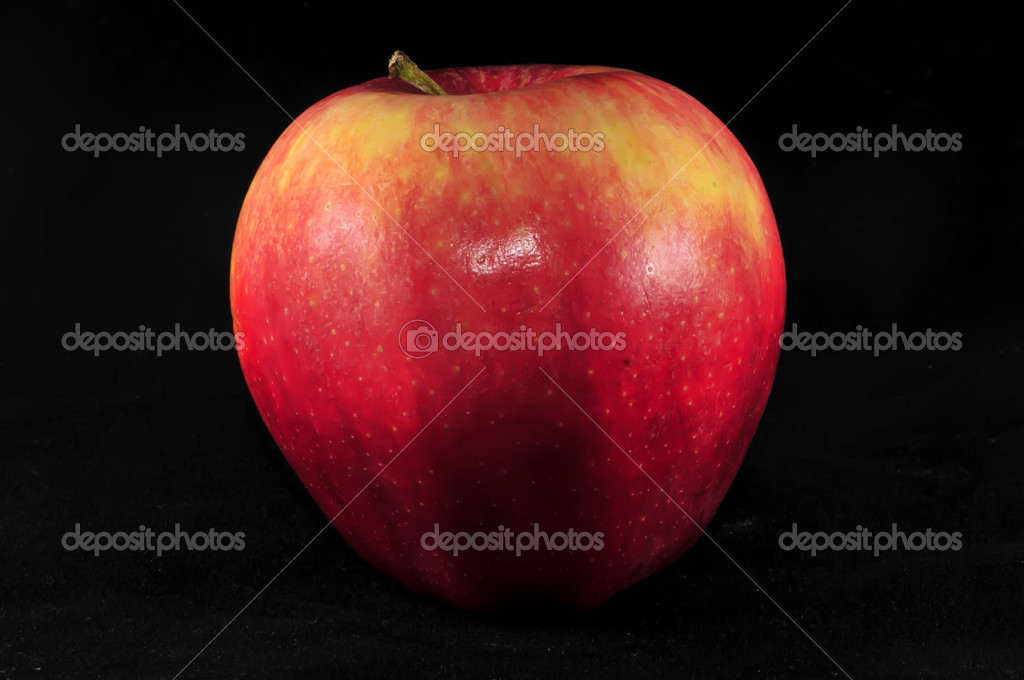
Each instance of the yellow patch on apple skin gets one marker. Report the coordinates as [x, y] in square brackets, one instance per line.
[337, 142]
[677, 147]
[688, 167]
[390, 132]
[285, 174]
[621, 144]
[442, 174]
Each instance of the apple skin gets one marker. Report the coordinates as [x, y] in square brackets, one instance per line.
[323, 278]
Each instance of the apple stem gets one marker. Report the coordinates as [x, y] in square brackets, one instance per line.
[401, 66]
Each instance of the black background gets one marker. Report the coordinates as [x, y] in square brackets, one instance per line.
[920, 439]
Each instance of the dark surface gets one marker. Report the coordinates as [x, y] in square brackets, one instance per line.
[920, 439]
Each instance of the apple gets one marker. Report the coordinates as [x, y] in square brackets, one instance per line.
[397, 289]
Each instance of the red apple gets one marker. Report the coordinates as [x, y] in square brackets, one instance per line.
[351, 230]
